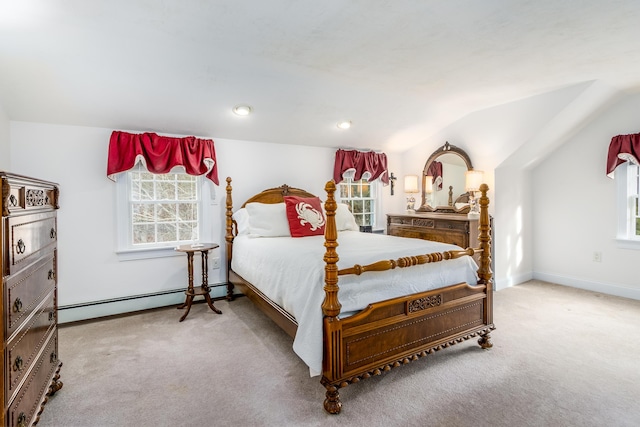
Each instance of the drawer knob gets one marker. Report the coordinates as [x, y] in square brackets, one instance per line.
[21, 247]
[17, 305]
[53, 357]
[52, 233]
[17, 364]
[21, 421]
[51, 316]
[51, 275]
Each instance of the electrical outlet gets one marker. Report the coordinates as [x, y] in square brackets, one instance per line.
[215, 263]
[597, 256]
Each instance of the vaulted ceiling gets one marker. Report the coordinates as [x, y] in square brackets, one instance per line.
[400, 70]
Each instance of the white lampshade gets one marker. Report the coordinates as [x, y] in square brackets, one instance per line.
[428, 184]
[473, 179]
[411, 184]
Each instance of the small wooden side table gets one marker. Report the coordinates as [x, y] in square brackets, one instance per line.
[204, 249]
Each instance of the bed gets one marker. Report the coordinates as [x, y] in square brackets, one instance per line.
[416, 298]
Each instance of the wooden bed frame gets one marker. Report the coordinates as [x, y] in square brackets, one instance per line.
[388, 333]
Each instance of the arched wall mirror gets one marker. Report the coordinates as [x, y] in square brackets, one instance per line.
[443, 181]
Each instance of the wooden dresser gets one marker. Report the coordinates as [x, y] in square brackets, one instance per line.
[440, 227]
[29, 298]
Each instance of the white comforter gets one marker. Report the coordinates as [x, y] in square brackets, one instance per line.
[290, 271]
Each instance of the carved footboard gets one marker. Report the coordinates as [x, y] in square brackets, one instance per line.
[394, 332]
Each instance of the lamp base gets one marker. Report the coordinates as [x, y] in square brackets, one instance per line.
[473, 215]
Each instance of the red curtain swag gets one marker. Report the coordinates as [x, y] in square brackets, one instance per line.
[435, 170]
[360, 161]
[623, 148]
[161, 153]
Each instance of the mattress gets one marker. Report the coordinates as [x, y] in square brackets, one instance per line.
[290, 271]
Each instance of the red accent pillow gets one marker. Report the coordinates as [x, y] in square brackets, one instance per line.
[305, 216]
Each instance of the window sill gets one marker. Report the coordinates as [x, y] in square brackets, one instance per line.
[147, 253]
[628, 243]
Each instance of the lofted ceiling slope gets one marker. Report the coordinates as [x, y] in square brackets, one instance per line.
[400, 70]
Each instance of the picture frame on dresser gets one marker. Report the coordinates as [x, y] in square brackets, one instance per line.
[31, 368]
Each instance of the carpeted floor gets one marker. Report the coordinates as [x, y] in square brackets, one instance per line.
[561, 357]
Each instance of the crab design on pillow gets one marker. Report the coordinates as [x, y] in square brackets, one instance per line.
[305, 216]
[308, 215]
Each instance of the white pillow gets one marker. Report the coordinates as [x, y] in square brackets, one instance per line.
[268, 220]
[344, 218]
[241, 216]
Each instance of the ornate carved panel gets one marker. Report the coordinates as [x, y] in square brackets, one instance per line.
[424, 303]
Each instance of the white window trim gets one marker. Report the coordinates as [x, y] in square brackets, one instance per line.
[378, 224]
[125, 252]
[623, 186]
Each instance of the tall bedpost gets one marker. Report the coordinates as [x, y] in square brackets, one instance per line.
[229, 236]
[331, 305]
[484, 272]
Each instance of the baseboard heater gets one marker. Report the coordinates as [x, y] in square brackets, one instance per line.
[130, 303]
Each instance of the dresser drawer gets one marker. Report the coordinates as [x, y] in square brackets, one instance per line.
[30, 236]
[448, 236]
[25, 195]
[461, 226]
[23, 348]
[25, 290]
[26, 404]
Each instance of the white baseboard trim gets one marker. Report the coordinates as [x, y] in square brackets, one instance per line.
[589, 285]
[510, 281]
[128, 304]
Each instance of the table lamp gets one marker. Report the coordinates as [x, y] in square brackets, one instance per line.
[411, 187]
[473, 180]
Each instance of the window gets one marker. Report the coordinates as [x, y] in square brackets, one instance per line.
[628, 177]
[361, 197]
[157, 211]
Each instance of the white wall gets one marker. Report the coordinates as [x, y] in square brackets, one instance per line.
[574, 210]
[5, 158]
[490, 137]
[76, 158]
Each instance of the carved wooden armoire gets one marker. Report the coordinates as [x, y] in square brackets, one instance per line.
[31, 369]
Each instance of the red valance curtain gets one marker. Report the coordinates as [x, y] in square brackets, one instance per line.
[623, 148]
[435, 170]
[361, 161]
[161, 153]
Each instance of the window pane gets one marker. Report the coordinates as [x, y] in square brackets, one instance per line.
[344, 191]
[186, 190]
[167, 233]
[146, 190]
[187, 212]
[144, 233]
[367, 206]
[366, 189]
[355, 190]
[367, 219]
[357, 206]
[165, 177]
[142, 213]
[165, 190]
[166, 212]
[188, 231]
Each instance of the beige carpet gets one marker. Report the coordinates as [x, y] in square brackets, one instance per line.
[561, 357]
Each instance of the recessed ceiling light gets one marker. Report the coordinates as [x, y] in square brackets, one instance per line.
[242, 110]
[344, 125]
